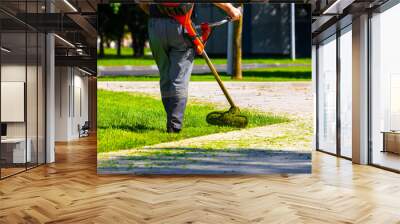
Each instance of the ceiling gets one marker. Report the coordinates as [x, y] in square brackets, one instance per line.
[74, 22]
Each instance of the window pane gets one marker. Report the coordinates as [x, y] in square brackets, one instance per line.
[346, 93]
[31, 97]
[14, 152]
[22, 88]
[327, 96]
[385, 89]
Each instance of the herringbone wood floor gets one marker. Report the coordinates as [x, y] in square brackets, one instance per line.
[69, 191]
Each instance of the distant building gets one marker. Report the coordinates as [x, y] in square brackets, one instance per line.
[266, 30]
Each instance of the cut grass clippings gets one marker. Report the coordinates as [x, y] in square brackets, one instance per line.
[130, 120]
[279, 74]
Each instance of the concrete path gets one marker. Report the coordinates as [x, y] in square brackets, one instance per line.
[197, 69]
[293, 98]
[201, 161]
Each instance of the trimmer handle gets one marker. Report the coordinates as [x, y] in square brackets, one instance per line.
[214, 24]
[197, 40]
[222, 22]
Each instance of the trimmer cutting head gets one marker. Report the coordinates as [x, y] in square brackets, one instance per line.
[231, 118]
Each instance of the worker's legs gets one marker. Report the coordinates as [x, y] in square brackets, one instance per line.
[175, 109]
[174, 56]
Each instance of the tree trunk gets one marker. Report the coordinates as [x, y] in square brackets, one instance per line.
[101, 54]
[237, 49]
[142, 42]
[119, 43]
[134, 53]
[141, 49]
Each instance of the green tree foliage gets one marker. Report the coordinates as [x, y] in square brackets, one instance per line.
[136, 20]
[115, 20]
[118, 21]
[105, 13]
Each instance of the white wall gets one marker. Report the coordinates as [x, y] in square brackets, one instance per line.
[62, 82]
[71, 102]
[81, 101]
[13, 73]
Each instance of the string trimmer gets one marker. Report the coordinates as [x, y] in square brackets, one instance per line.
[232, 117]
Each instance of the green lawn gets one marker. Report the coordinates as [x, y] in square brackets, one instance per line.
[301, 73]
[125, 51]
[111, 59]
[130, 120]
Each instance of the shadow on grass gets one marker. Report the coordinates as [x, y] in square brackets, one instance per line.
[183, 160]
[140, 128]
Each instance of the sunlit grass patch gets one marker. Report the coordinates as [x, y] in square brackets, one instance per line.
[131, 120]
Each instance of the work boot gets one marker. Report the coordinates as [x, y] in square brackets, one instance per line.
[175, 109]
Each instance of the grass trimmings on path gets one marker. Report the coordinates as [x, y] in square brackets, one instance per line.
[131, 120]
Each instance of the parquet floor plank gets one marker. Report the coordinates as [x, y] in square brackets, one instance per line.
[70, 191]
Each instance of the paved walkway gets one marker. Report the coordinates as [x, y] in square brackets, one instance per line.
[202, 161]
[197, 69]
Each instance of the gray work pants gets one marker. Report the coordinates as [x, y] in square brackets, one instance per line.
[174, 55]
